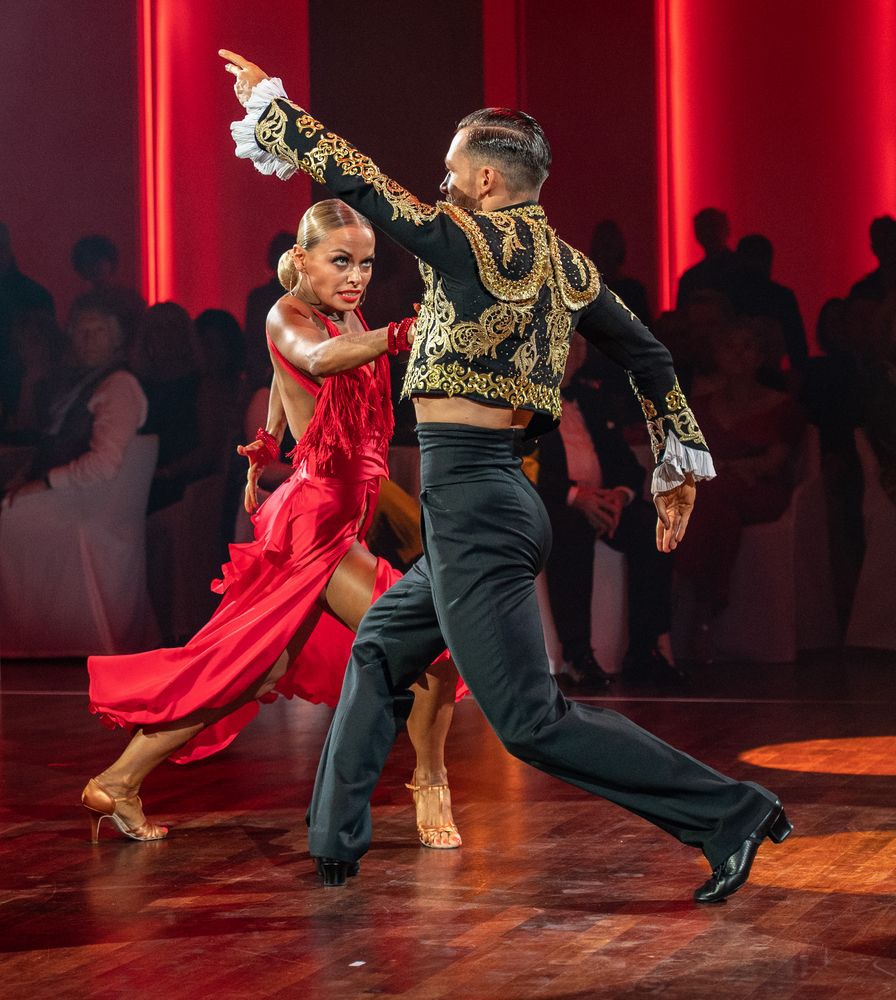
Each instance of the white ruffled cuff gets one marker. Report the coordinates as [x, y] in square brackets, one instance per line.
[243, 131]
[678, 459]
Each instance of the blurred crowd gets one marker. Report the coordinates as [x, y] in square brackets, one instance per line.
[75, 390]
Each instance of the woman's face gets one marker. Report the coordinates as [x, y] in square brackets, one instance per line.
[338, 269]
[96, 339]
[738, 354]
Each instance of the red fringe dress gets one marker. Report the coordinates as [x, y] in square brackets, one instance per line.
[272, 585]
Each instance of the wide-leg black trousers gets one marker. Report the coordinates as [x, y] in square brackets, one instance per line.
[486, 535]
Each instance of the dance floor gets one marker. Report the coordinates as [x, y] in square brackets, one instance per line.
[554, 894]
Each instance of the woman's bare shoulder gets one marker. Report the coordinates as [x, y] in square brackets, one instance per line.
[290, 313]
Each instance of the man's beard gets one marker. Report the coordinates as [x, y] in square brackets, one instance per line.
[456, 197]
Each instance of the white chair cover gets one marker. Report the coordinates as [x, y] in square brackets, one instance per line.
[782, 597]
[872, 621]
[73, 566]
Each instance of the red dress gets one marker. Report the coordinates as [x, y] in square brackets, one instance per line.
[272, 585]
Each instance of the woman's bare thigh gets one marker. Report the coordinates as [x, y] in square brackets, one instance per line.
[350, 590]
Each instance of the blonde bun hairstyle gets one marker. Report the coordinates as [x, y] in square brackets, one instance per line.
[322, 218]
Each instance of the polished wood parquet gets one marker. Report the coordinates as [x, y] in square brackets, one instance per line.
[554, 894]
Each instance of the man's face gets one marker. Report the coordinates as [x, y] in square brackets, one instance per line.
[459, 186]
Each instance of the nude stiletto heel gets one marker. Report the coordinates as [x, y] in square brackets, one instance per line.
[101, 804]
[444, 834]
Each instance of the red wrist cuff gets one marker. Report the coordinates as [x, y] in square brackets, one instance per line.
[270, 450]
[397, 335]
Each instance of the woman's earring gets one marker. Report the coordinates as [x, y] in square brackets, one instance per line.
[298, 291]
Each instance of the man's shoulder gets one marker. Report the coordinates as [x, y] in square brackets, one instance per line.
[517, 253]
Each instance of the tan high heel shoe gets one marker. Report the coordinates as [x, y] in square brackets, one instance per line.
[101, 804]
[443, 835]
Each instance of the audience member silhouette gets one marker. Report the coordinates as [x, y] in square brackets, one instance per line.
[95, 260]
[755, 432]
[258, 305]
[18, 294]
[591, 484]
[759, 295]
[719, 270]
[166, 358]
[877, 284]
[832, 396]
[608, 252]
[38, 351]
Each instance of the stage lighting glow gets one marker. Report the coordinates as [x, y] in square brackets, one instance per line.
[859, 755]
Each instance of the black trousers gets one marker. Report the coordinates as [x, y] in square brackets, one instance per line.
[570, 573]
[486, 536]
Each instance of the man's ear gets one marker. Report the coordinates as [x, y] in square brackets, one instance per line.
[488, 180]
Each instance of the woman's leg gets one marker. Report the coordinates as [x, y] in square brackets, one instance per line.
[349, 594]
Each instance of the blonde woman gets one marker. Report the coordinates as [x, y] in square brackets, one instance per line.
[292, 597]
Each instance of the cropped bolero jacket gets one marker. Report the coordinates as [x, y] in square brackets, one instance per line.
[502, 292]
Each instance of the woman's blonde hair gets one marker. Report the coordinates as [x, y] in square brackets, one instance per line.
[322, 218]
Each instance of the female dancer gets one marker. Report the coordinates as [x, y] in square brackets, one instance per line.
[293, 597]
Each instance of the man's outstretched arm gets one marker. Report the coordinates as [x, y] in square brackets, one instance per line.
[280, 137]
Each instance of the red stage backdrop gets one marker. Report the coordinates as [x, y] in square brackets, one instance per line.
[784, 115]
[208, 217]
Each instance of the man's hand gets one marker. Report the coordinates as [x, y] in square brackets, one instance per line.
[247, 75]
[26, 489]
[603, 508]
[674, 509]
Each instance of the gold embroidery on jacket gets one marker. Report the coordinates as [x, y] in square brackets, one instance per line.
[271, 131]
[679, 417]
[456, 379]
[531, 250]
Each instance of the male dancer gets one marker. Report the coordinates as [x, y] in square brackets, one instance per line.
[502, 297]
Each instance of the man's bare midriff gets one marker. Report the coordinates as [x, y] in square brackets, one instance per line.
[442, 410]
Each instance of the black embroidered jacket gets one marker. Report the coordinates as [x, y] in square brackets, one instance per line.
[502, 292]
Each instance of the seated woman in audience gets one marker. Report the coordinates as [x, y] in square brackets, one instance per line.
[96, 409]
[754, 432]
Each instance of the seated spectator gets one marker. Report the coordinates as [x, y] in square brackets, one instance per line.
[166, 359]
[18, 295]
[832, 396]
[876, 285]
[706, 317]
[37, 349]
[880, 405]
[93, 414]
[95, 260]
[754, 433]
[760, 296]
[591, 485]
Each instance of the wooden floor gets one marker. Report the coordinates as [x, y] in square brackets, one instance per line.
[554, 894]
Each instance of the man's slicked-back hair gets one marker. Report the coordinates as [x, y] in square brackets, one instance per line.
[511, 140]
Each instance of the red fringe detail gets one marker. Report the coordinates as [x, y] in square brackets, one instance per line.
[352, 411]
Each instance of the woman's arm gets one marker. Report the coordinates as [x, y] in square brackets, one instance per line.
[308, 347]
[266, 410]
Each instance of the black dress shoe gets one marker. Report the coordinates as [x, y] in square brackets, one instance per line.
[590, 671]
[334, 872]
[732, 873]
[650, 667]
